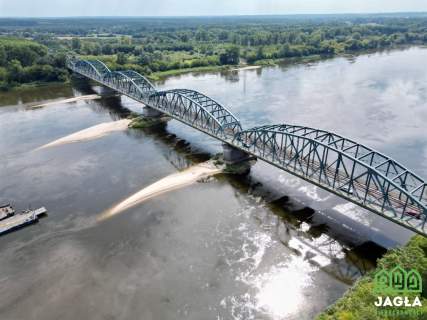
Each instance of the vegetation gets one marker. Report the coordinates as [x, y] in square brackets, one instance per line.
[358, 303]
[144, 122]
[34, 49]
[24, 61]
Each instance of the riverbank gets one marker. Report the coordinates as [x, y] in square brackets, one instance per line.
[32, 85]
[318, 57]
[358, 302]
[161, 75]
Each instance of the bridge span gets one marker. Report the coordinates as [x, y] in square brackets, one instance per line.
[339, 165]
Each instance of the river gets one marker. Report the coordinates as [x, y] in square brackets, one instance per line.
[263, 246]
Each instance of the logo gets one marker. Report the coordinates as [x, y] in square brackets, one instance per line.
[398, 291]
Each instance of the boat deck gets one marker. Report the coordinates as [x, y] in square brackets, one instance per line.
[20, 220]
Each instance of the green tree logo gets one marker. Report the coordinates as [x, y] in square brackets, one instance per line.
[397, 281]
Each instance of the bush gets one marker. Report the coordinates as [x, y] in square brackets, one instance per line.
[357, 303]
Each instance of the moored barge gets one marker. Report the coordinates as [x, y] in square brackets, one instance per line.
[14, 221]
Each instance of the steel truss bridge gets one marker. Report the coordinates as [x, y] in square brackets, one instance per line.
[339, 165]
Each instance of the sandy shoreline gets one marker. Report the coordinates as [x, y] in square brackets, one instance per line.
[246, 68]
[91, 133]
[169, 183]
[80, 98]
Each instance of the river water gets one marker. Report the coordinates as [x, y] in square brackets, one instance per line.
[263, 246]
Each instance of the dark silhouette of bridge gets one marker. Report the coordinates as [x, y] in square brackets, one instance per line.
[344, 167]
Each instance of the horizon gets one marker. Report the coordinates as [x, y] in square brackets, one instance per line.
[223, 15]
[209, 8]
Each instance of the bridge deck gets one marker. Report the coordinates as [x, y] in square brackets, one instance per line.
[336, 164]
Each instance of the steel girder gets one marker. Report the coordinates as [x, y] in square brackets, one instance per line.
[133, 85]
[188, 111]
[198, 110]
[93, 68]
[348, 169]
[227, 120]
[344, 167]
[188, 106]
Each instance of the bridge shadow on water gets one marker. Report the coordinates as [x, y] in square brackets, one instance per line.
[304, 231]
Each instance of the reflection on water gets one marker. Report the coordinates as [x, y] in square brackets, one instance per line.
[261, 246]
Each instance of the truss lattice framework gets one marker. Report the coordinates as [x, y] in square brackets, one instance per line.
[344, 167]
[188, 106]
[339, 165]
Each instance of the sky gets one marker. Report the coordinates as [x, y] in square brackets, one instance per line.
[62, 8]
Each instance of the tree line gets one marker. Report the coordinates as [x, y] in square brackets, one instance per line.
[24, 61]
[34, 49]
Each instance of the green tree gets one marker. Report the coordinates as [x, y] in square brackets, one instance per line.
[230, 56]
[121, 58]
[76, 44]
[3, 74]
[15, 71]
[260, 53]
[285, 51]
[3, 56]
[107, 49]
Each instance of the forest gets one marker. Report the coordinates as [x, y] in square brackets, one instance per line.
[34, 50]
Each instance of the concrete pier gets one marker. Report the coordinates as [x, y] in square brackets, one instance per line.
[106, 92]
[78, 76]
[233, 155]
[151, 113]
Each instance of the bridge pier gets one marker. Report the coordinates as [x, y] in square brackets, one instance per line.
[151, 113]
[81, 82]
[107, 92]
[78, 76]
[233, 155]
